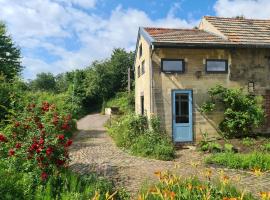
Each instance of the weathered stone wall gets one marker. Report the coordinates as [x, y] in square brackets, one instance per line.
[244, 65]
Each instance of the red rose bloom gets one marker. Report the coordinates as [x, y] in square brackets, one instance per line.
[40, 126]
[65, 126]
[60, 162]
[49, 151]
[3, 138]
[68, 143]
[17, 124]
[11, 152]
[41, 141]
[18, 145]
[44, 176]
[61, 137]
[45, 106]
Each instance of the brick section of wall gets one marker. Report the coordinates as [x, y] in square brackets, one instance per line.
[267, 108]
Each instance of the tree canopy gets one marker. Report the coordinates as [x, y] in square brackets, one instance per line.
[10, 63]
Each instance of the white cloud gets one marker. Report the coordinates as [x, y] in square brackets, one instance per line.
[259, 9]
[38, 24]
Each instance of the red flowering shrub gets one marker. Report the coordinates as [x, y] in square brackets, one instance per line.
[38, 140]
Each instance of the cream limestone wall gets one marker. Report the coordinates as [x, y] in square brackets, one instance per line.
[244, 65]
[142, 83]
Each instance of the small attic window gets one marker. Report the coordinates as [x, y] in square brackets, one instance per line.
[140, 50]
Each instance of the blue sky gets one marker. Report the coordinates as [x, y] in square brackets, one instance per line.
[62, 35]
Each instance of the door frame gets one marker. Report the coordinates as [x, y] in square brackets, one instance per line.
[191, 113]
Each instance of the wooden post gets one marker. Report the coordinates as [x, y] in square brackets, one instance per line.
[129, 80]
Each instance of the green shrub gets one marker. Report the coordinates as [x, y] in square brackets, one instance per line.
[228, 147]
[155, 123]
[249, 161]
[242, 112]
[266, 146]
[248, 141]
[132, 133]
[124, 100]
[153, 145]
[213, 147]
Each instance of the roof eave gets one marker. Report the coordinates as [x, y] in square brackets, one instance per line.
[206, 45]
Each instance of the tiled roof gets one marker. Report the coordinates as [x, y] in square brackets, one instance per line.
[243, 31]
[188, 36]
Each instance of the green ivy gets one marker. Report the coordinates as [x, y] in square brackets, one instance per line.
[242, 112]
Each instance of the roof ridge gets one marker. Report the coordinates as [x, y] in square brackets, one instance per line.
[162, 28]
[235, 18]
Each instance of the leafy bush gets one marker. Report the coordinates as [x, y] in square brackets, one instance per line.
[228, 147]
[249, 161]
[36, 140]
[248, 141]
[132, 132]
[213, 147]
[153, 145]
[123, 100]
[65, 102]
[242, 112]
[266, 146]
[171, 186]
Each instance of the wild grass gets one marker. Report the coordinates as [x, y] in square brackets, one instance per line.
[249, 161]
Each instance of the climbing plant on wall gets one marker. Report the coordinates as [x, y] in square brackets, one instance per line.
[242, 112]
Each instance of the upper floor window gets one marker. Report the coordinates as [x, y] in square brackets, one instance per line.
[139, 71]
[143, 67]
[216, 66]
[140, 50]
[173, 65]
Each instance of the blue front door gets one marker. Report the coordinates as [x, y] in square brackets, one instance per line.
[182, 116]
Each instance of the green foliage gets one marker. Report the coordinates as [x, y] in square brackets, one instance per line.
[249, 161]
[10, 55]
[228, 147]
[11, 97]
[266, 146]
[105, 78]
[171, 186]
[213, 147]
[242, 112]
[123, 100]
[248, 141]
[132, 132]
[67, 185]
[155, 123]
[44, 82]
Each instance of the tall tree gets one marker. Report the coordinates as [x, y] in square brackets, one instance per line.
[10, 64]
[44, 82]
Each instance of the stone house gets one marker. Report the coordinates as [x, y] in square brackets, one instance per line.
[174, 68]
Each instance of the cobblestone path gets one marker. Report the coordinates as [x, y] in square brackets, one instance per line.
[94, 150]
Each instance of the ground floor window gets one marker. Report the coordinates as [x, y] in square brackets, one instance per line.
[142, 105]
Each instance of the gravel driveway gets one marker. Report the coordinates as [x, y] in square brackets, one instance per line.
[94, 150]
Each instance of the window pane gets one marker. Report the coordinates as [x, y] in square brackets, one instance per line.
[218, 66]
[172, 65]
[181, 108]
[143, 70]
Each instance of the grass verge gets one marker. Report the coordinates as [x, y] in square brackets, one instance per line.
[250, 161]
